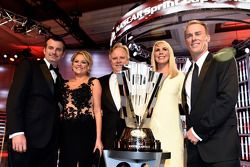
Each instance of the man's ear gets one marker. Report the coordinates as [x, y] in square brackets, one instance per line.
[208, 38]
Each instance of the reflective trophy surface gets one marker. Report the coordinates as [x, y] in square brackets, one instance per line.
[138, 86]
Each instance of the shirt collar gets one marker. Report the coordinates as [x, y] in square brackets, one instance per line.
[47, 63]
[201, 60]
[113, 76]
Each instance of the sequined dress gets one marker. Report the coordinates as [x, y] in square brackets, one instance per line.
[78, 129]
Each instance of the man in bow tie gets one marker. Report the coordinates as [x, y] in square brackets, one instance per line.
[33, 111]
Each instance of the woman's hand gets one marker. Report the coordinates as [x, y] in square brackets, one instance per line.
[99, 145]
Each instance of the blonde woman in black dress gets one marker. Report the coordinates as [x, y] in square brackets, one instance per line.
[81, 116]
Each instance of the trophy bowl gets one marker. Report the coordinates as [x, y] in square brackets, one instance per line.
[138, 139]
[138, 86]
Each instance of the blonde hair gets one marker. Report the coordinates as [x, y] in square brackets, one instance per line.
[196, 22]
[86, 55]
[173, 71]
[119, 45]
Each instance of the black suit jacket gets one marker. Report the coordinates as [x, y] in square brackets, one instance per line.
[32, 107]
[112, 124]
[213, 116]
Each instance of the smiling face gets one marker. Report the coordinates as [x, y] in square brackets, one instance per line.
[80, 65]
[118, 58]
[161, 54]
[53, 51]
[196, 38]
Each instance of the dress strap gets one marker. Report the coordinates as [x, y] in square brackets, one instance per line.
[90, 80]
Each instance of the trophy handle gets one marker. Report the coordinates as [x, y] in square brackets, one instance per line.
[130, 117]
[149, 110]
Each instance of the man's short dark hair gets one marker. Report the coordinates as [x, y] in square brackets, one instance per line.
[56, 38]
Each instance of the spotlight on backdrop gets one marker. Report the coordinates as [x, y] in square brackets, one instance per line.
[247, 50]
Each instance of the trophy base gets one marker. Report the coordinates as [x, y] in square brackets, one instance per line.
[138, 139]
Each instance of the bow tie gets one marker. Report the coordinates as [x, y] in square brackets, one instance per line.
[54, 68]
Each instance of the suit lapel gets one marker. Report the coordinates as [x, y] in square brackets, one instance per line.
[205, 67]
[203, 72]
[47, 75]
[184, 99]
[202, 75]
[108, 93]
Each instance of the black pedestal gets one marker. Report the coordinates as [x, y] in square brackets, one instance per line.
[133, 158]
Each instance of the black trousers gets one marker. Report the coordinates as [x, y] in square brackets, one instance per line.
[194, 159]
[34, 157]
[77, 142]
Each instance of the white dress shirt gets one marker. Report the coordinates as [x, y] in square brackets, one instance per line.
[52, 72]
[114, 89]
[199, 63]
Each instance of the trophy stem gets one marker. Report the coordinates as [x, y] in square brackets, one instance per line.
[138, 139]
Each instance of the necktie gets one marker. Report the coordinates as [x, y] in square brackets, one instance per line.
[194, 84]
[57, 80]
[54, 69]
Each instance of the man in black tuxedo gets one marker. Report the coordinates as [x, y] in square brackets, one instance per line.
[212, 137]
[33, 111]
[112, 123]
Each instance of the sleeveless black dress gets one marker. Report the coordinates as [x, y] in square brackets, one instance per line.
[78, 128]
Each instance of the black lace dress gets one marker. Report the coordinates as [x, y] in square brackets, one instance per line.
[78, 129]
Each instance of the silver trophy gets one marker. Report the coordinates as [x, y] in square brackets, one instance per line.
[138, 86]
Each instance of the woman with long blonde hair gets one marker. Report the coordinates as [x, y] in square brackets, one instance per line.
[165, 122]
